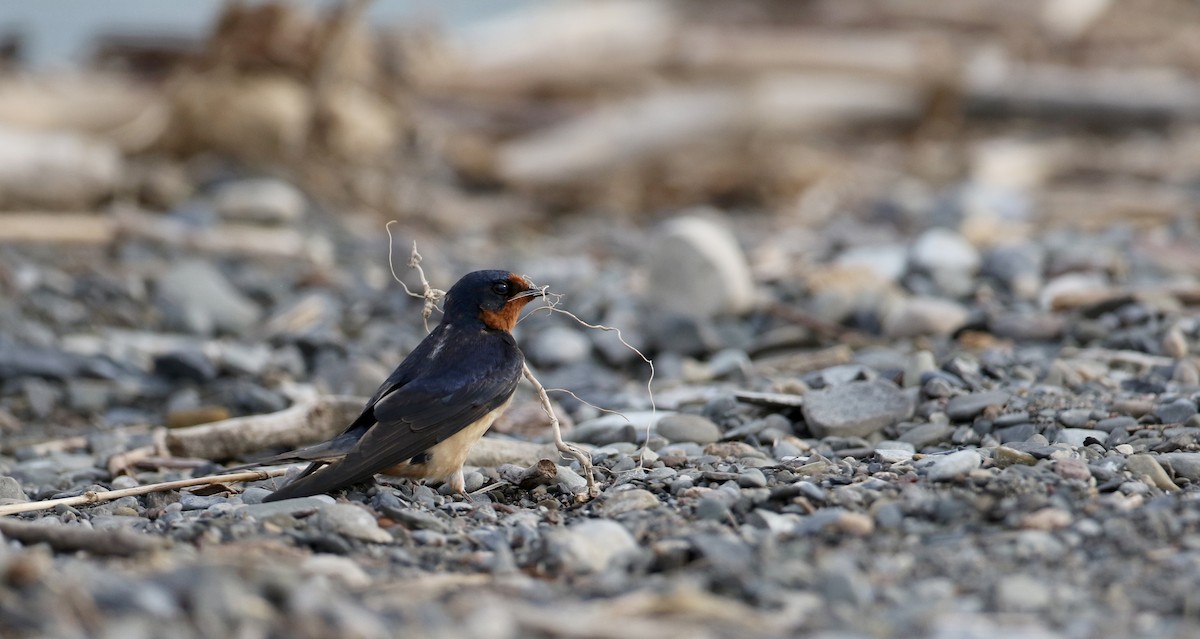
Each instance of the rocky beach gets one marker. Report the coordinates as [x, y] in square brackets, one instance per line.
[919, 290]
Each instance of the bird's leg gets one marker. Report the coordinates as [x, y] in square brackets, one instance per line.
[458, 484]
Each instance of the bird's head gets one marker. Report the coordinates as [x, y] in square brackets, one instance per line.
[494, 297]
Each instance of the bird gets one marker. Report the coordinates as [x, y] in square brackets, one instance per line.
[426, 416]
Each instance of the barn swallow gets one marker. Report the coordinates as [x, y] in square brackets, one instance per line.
[440, 400]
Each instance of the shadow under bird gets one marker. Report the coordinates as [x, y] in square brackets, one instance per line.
[437, 403]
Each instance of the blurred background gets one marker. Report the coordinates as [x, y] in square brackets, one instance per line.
[193, 195]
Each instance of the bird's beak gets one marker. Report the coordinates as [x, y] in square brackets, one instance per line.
[529, 292]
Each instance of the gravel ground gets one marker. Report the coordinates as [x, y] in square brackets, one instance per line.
[911, 436]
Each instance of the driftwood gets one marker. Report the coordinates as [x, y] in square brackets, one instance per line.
[121, 543]
[290, 428]
[109, 495]
[543, 473]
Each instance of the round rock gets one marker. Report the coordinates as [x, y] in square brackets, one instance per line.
[697, 268]
[689, 428]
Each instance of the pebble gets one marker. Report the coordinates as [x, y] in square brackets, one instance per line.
[919, 316]
[1006, 456]
[1143, 465]
[928, 434]
[856, 409]
[351, 521]
[951, 466]
[627, 501]
[11, 492]
[558, 346]
[1182, 464]
[752, 478]
[1176, 412]
[697, 268]
[1022, 593]
[590, 546]
[207, 299]
[968, 406]
[1075, 437]
[260, 200]
[688, 428]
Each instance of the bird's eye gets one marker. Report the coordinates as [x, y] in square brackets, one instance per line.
[500, 288]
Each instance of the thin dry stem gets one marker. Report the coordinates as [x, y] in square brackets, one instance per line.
[552, 305]
[92, 497]
[430, 295]
[585, 460]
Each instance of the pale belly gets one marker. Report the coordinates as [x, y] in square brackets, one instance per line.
[445, 460]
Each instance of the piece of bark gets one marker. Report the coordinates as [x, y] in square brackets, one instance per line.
[302, 424]
[56, 228]
[120, 543]
[543, 473]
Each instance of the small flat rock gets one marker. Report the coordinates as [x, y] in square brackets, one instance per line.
[627, 501]
[207, 298]
[918, 316]
[288, 506]
[1144, 465]
[590, 546]
[262, 200]
[1022, 593]
[493, 452]
[887, 262]
[351, 521]
[1074, 469]
[968, 406]
[893, 455]
[688, 428]
[1116, 423]
[558, 346]
[698, 268]
[1075, 437]
[11, 492]
[1005, 456]
[951, 466]
[1182, 464]
[928, 434]
[1075, 417]
[752, 478]
[1176, 412]
[856, 409]
[941, 249]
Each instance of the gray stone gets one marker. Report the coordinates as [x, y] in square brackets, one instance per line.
[856, 409]
[968, 406]
[11, 492]
[351, 521]
[1022, 593]
[1018, 266]
[288, 506]
[590, 546]
[1016, 433]
[951, 466]
[688, 428]
[698, 268]
[926, 435]
[940, 249]
[1182, 464]
[752, 478]
[626, 501]
[893, 455]
[918, 316]
[1075, 417]
[558, 346]
[263, 200]
[570, 480]
[1146, 466]
[1176, 412]
[207, 299]
[1116, 423]
[1075, 437]
[887, 262]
